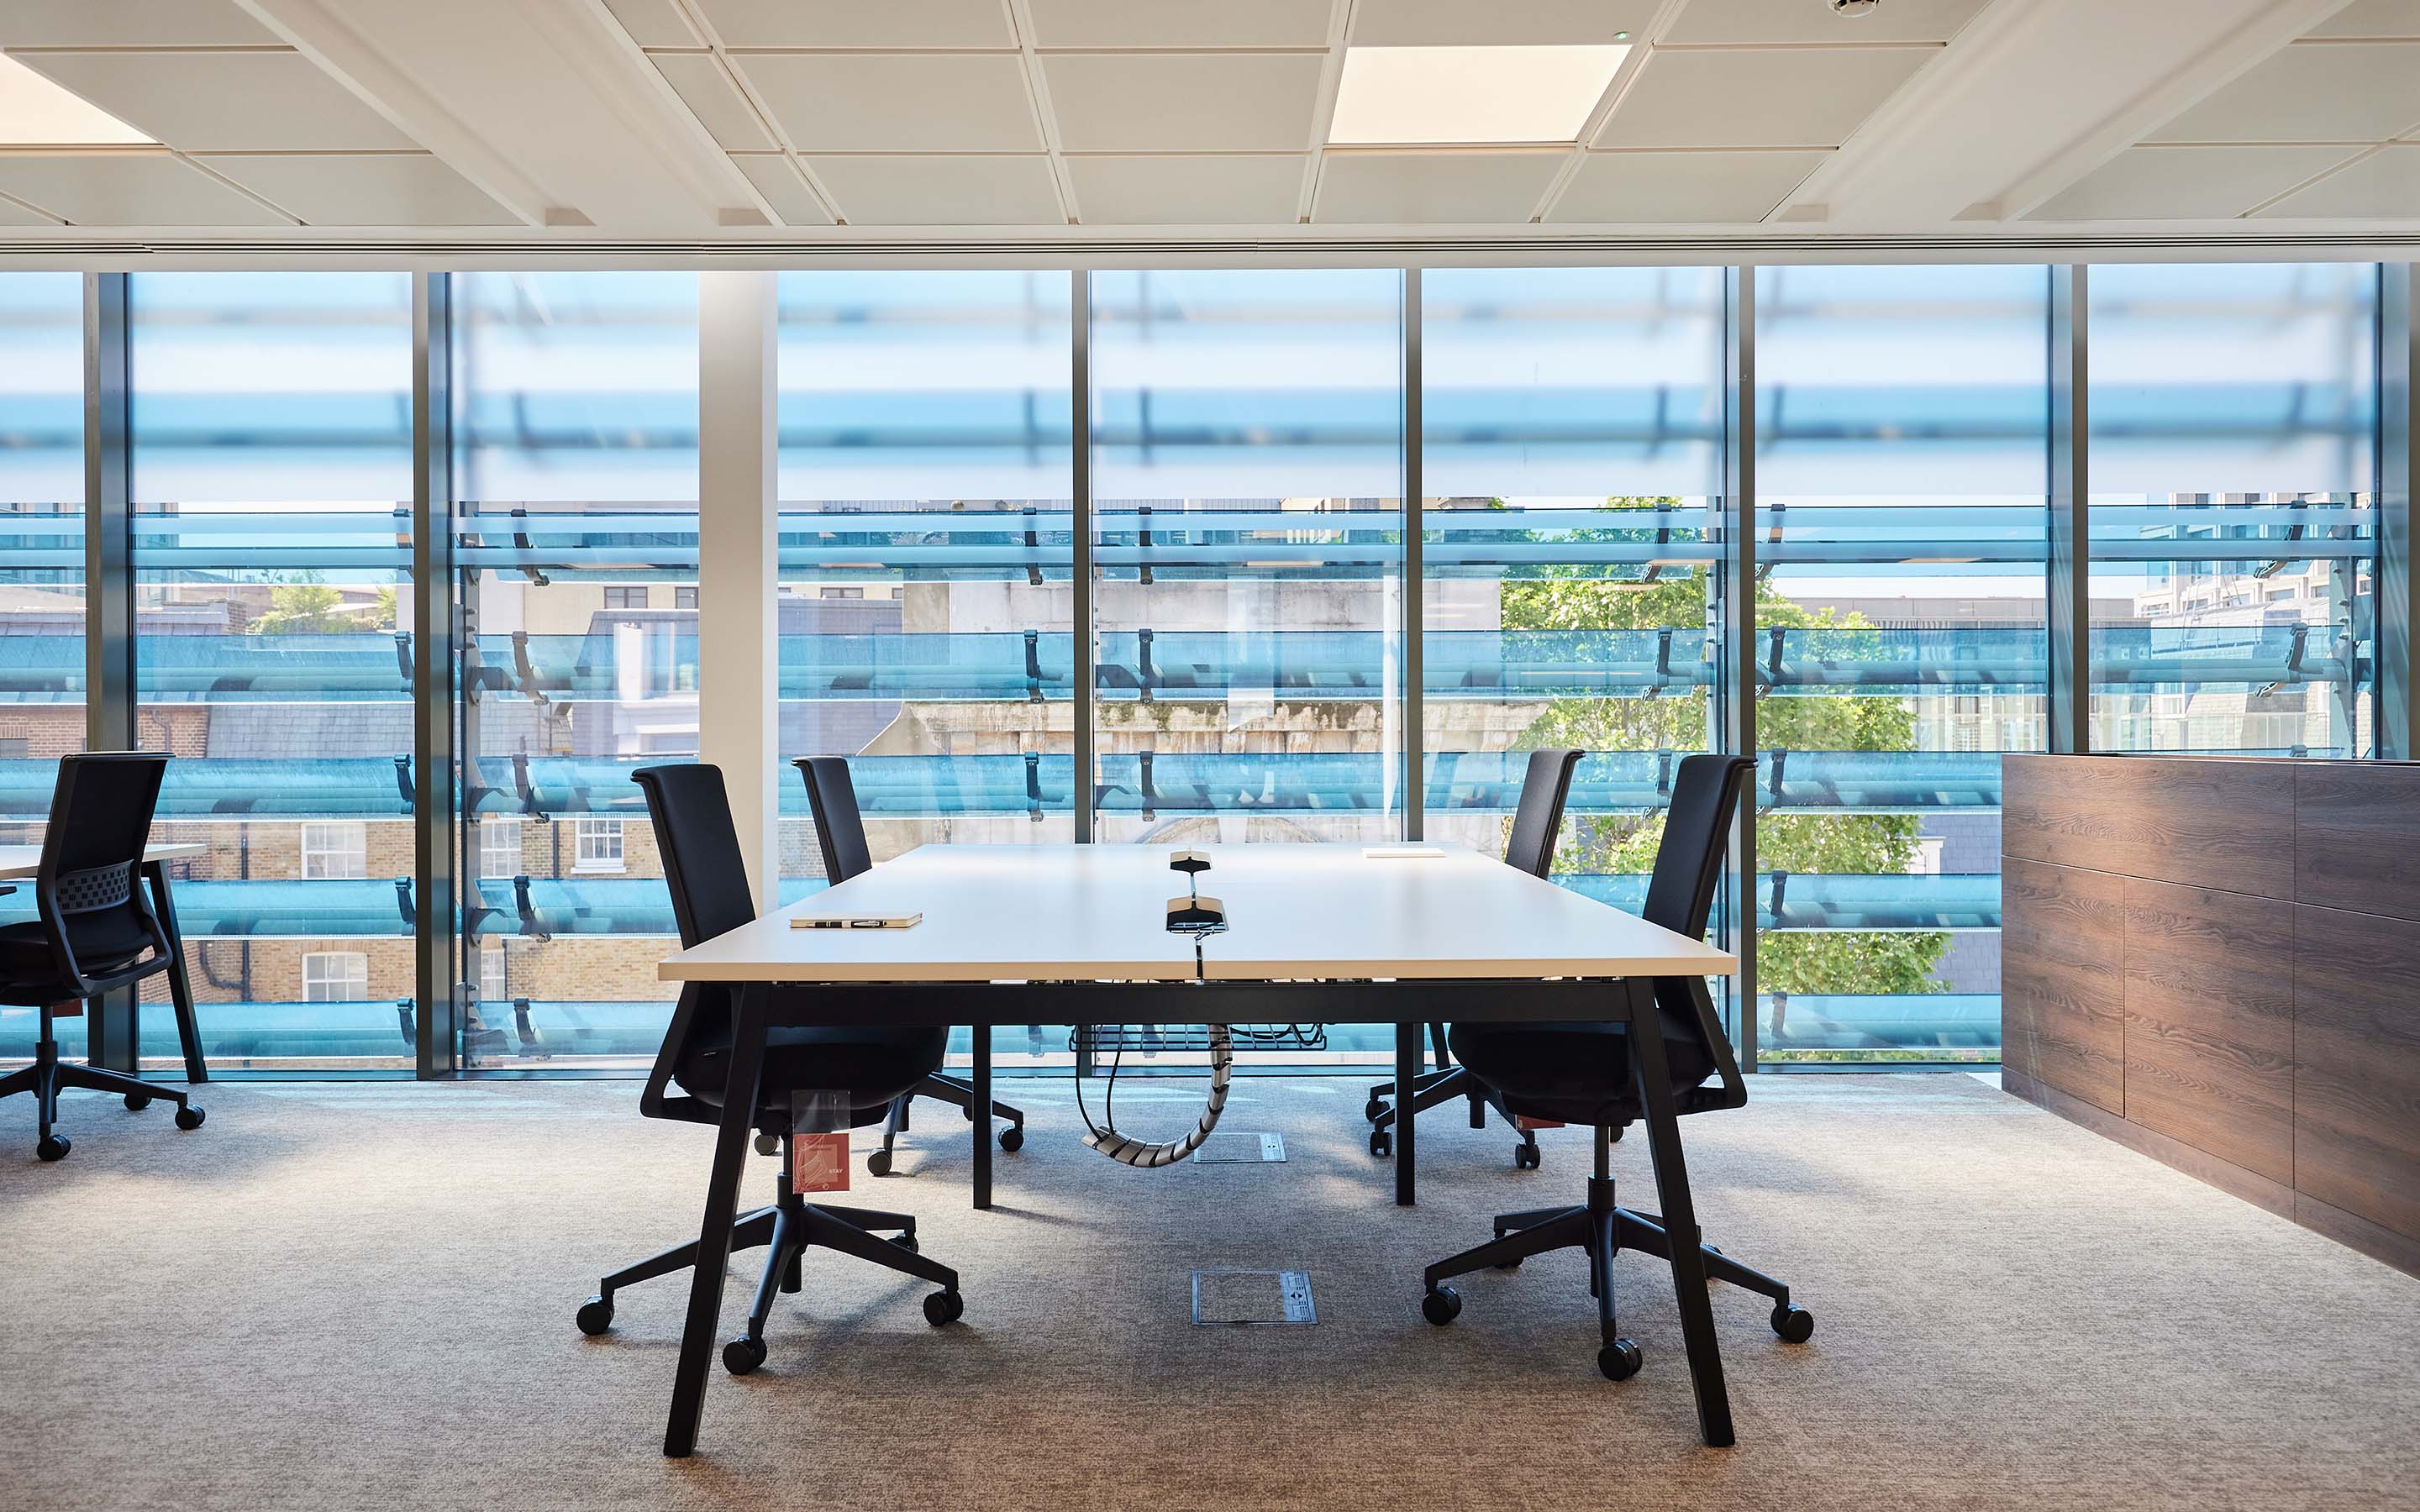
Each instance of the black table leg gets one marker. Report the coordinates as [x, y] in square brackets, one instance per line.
[714, 1230]
[180, 989]
[1654, 1074]
[981, 1077]
[1407, 1071]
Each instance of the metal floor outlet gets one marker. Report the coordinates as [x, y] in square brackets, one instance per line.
[1241, 1148]
[1248, 1299]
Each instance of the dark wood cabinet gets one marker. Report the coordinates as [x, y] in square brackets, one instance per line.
[2217, 961]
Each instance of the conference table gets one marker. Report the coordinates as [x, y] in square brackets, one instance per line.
[20, 863]
[1018, 934]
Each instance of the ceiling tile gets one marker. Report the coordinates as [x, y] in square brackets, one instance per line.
[1676, 188]
[225, 101]
[2373, 18]
[1180, 22]
[131, 24]
[364, 189]
[1187, 190]
[1811, 21]
[2385, 187]
[784, 189]
[1433, 188]
[1757, 98]
[897, 102]
[857, 23]
[942, 190]
[1504, 23]
[1183, 101]
[654, 23]
[699, 80]
[2153, 183]
[128, 189]
[2321, 92]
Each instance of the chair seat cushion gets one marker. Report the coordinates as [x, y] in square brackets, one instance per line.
[1566, 1072]
[872, 1064]
[30, 974]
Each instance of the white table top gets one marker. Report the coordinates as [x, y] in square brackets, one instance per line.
[25, 860]
[1095, 913]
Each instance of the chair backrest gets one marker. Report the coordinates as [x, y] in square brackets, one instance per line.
[1539, 817]
[841, 829]
[88, 882]
[700, 845]
[1696, 833]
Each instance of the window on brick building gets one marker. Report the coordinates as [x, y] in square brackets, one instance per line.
[493, 985]
[599, 845]
[500, 847]
[626, 597]
[335, 977]
[335, 850]
[684, 598]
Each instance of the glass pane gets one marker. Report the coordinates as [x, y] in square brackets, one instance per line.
[270, 478]
[1571, 423]
[576, 486]
[41, 578]
[927, 554]
[1903, 527]
[2234, 429]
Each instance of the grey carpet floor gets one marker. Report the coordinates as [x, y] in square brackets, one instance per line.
[338, 1296]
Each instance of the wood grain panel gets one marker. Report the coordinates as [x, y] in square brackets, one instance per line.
[2357, 837]
[2062, 984]
[2210, 1022]
[2207, 824]
[2357, 1074]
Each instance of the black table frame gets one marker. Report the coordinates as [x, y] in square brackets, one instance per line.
[1409, 1005]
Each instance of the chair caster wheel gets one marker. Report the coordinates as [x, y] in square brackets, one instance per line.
[1526, 1156]
[1795, 1325]
[137, 1101]
[1382, 1143]
[189, 1117]
[878, 1164]
[1013, 1138]
[768, 1144]
[1618, 1360]
[53, 1146]
[1372, 1110]
[1442, 1306]
[742, 1356]
[908, 1242]
[596, 1316]
[944, 1307]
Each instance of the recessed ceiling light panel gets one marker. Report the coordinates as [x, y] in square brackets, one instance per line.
[36, 112]
[1428, 96]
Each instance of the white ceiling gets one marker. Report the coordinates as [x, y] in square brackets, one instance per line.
[830, 121]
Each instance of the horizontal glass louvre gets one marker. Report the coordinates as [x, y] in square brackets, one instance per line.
[2234, 445]
[1902, 535]
[270, 481]
[575, 438]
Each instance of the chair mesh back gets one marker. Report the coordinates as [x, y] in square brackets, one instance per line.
[100, 818]
[1697, 830]
[1535, 824]
[838, 824]
[700, 844]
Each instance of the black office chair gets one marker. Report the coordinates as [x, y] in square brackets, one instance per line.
[94, 931]
[841, 829]
[709, 887]
[1581, 1074]
[1530, 847]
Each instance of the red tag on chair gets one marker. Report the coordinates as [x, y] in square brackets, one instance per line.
[1526, 1125]
[819, 1162]
[73, 1010]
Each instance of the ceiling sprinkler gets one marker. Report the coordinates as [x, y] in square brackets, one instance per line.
[1855, 8]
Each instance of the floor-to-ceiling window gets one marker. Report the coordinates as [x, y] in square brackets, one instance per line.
[1571, 423]
[927, 613]
[269, 479]
[2234, 442]
[1902, 524]
[575, 476]
[41, 570]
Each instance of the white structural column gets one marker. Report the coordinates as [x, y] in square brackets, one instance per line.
[737, 647]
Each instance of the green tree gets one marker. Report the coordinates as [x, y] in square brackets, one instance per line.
[1592, 597]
